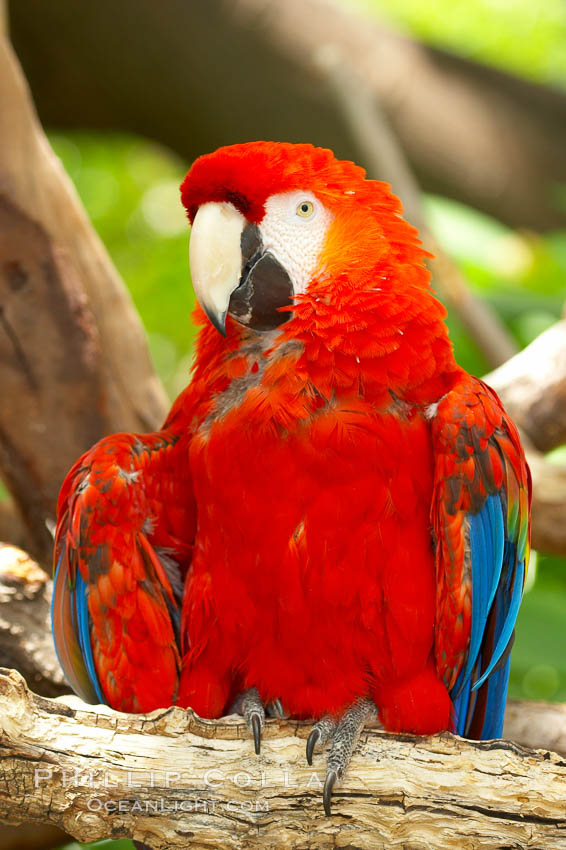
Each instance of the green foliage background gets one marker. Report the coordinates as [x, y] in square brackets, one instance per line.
[130, 189]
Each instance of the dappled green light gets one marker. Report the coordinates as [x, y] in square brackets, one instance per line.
[476, 238]
[541, 682]
[521, 275]
[540, 636]
[162, 209]
[557, 456]
[99, 190]
[517, 35]
[530, 325]
[130, 188]
[68, 152]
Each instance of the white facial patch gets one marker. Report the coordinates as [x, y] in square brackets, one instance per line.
[294, 230]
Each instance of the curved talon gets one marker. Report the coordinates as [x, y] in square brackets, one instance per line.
[312, 741]
[275, 709]
[256, 729]
[331, 778]
[322, 730]
[254, 715]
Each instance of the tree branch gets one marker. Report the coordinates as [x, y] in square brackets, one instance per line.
[25, 623]
[549, 503]
[171, 777]
[81, 368]
[533, 387]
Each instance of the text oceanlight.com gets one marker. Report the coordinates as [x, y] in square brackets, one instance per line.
[166, 805]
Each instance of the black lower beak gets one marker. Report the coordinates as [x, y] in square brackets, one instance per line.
[265, 287]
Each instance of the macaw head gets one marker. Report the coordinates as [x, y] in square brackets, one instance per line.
[274, 221]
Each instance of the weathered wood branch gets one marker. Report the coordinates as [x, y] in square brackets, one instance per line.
[25, 623]
[549, 503]
[243, 70]
[533, 387]
[171, 778]
[75, 364]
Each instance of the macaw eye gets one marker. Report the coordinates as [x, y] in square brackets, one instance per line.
[305, 209]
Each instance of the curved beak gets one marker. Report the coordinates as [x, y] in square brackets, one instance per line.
[233, 273]
[215, 258]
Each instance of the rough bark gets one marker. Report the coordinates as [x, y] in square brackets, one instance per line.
[210, 72]
[549, 504]
[170, 779]
[533, 386]
[25, 623]
[74, 362]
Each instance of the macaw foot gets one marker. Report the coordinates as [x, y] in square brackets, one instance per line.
[250, 706]
[344, 733]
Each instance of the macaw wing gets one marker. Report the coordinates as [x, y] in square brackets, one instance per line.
[119, 567]
[480, 520]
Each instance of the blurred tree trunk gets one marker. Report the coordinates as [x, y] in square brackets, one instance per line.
[74, 360]
[195, 75]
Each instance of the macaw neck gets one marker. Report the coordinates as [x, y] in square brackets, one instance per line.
[370, 344]
[376, 343]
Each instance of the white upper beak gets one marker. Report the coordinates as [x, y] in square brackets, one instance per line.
[215, 257]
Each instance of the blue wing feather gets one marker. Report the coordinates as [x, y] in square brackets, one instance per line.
[83, 630]
[483, 489]
[70, 624]
[495, 707]
[497, 585]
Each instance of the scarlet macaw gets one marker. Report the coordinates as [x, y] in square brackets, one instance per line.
[347, 508]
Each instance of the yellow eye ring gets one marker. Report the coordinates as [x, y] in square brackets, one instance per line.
[305, 209]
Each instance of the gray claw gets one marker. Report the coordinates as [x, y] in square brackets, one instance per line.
[311, 742]
[275, 709]
[278, 706]
[320, 733]
[327, 793]
[256, 729]
[254, 715]
[344, 740]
